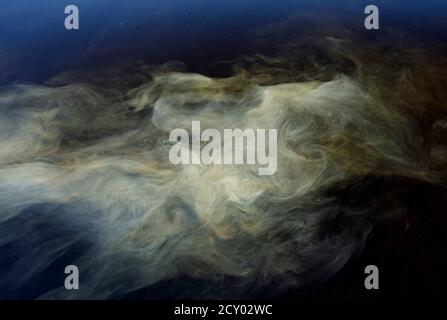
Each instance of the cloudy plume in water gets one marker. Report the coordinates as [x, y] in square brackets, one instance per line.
[85, 177]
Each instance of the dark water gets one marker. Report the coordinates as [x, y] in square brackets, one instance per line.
[402, 225]
[35, 46]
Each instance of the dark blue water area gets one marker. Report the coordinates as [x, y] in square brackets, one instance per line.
[36, 246]
[34, 44]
